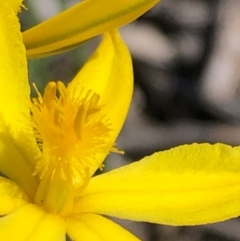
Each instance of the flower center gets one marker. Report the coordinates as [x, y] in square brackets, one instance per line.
[73, 135]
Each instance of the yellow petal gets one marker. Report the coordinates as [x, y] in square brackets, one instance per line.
[14, 88]
[18, 147]
[92, 227]
[32, 223]
[13, 164]
[15, 4]
[12, 196]
[81, 22]
[187, 185]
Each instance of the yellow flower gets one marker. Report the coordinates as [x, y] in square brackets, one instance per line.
[50, 155]
[83, 21]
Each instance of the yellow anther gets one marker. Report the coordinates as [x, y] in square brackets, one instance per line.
[59, 117]
[49, 94]
[80, 120]
[87, 108]
[62, 90]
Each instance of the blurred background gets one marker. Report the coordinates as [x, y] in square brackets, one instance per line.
[186, 57]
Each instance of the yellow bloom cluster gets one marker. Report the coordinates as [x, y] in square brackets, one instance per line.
[51, 146]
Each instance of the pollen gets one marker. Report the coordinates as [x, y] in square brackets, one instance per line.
[73, 136]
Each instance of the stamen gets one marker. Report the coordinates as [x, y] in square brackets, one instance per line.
[49, 94]
[74, 139]
[116, 150]
[62, 90]
[23, 6]
[80, 121]
[38, 93]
